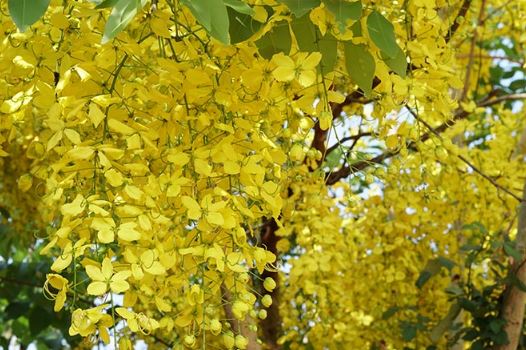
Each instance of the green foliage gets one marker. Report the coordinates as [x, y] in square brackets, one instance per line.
[239, 6]
[360, 66]
[26, 12]
[381, 32]
[275, 41]
[432, 268]
[25, 313]
[300, 7]
[242, 26]
[344, 11]
[213, 16]
[398, 63]
[121, 15]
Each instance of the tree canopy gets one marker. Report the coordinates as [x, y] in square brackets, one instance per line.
[263, 174]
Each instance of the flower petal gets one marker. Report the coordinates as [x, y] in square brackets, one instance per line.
[97, 288]
[119, 286]
[94, 273]
[107, 269]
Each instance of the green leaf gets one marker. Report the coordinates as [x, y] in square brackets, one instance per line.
[239, 6]
[275, 41]
[121, 15]
[382, 34]
[16, 309]
[213, 16]
[309, 39]
[468, 247]
[356, 29]
[423, 278]
[511, 251]
[432, 268]
[390, 312]
[300, 7]
[26, 12]
[200, 11]
[242, 26]
[519, 84]
[408, 331]
[445, 262]
[38, 320]
[360, 66]
[329, 52]
[445, 324]
[344, 11]
[496, 325]
[501, 338]
[306, 34]
[478, 345]
[398, 63]
[106, 3]
[475, 227]
[454, 290]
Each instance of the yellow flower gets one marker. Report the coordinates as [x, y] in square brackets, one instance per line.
[138, 322]
[103, 279]
[68, 253]
[59, 283]
[86, 322]
[269, 284]
[303, 68]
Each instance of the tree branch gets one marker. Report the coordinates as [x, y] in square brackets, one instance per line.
[467, 162]
[347, 138]
[467, 78]
[320, 136]
[456, 22]
[343, 172]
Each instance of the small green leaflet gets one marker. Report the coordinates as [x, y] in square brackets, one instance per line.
[275, 41]
[121, 15]
[382, 34]
[26, 12]
[344, 11]
[360, 66]
[213, 16]
[300, 7]
[239, 6]
[398, 63]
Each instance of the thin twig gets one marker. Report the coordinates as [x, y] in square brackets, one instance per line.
[467, 78]
[467, 162]
[348, 138]
[343, 172]
[456, 22]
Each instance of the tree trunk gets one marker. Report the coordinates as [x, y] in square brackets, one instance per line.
[512, 310]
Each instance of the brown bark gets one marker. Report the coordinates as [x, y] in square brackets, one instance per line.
[514, 299]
